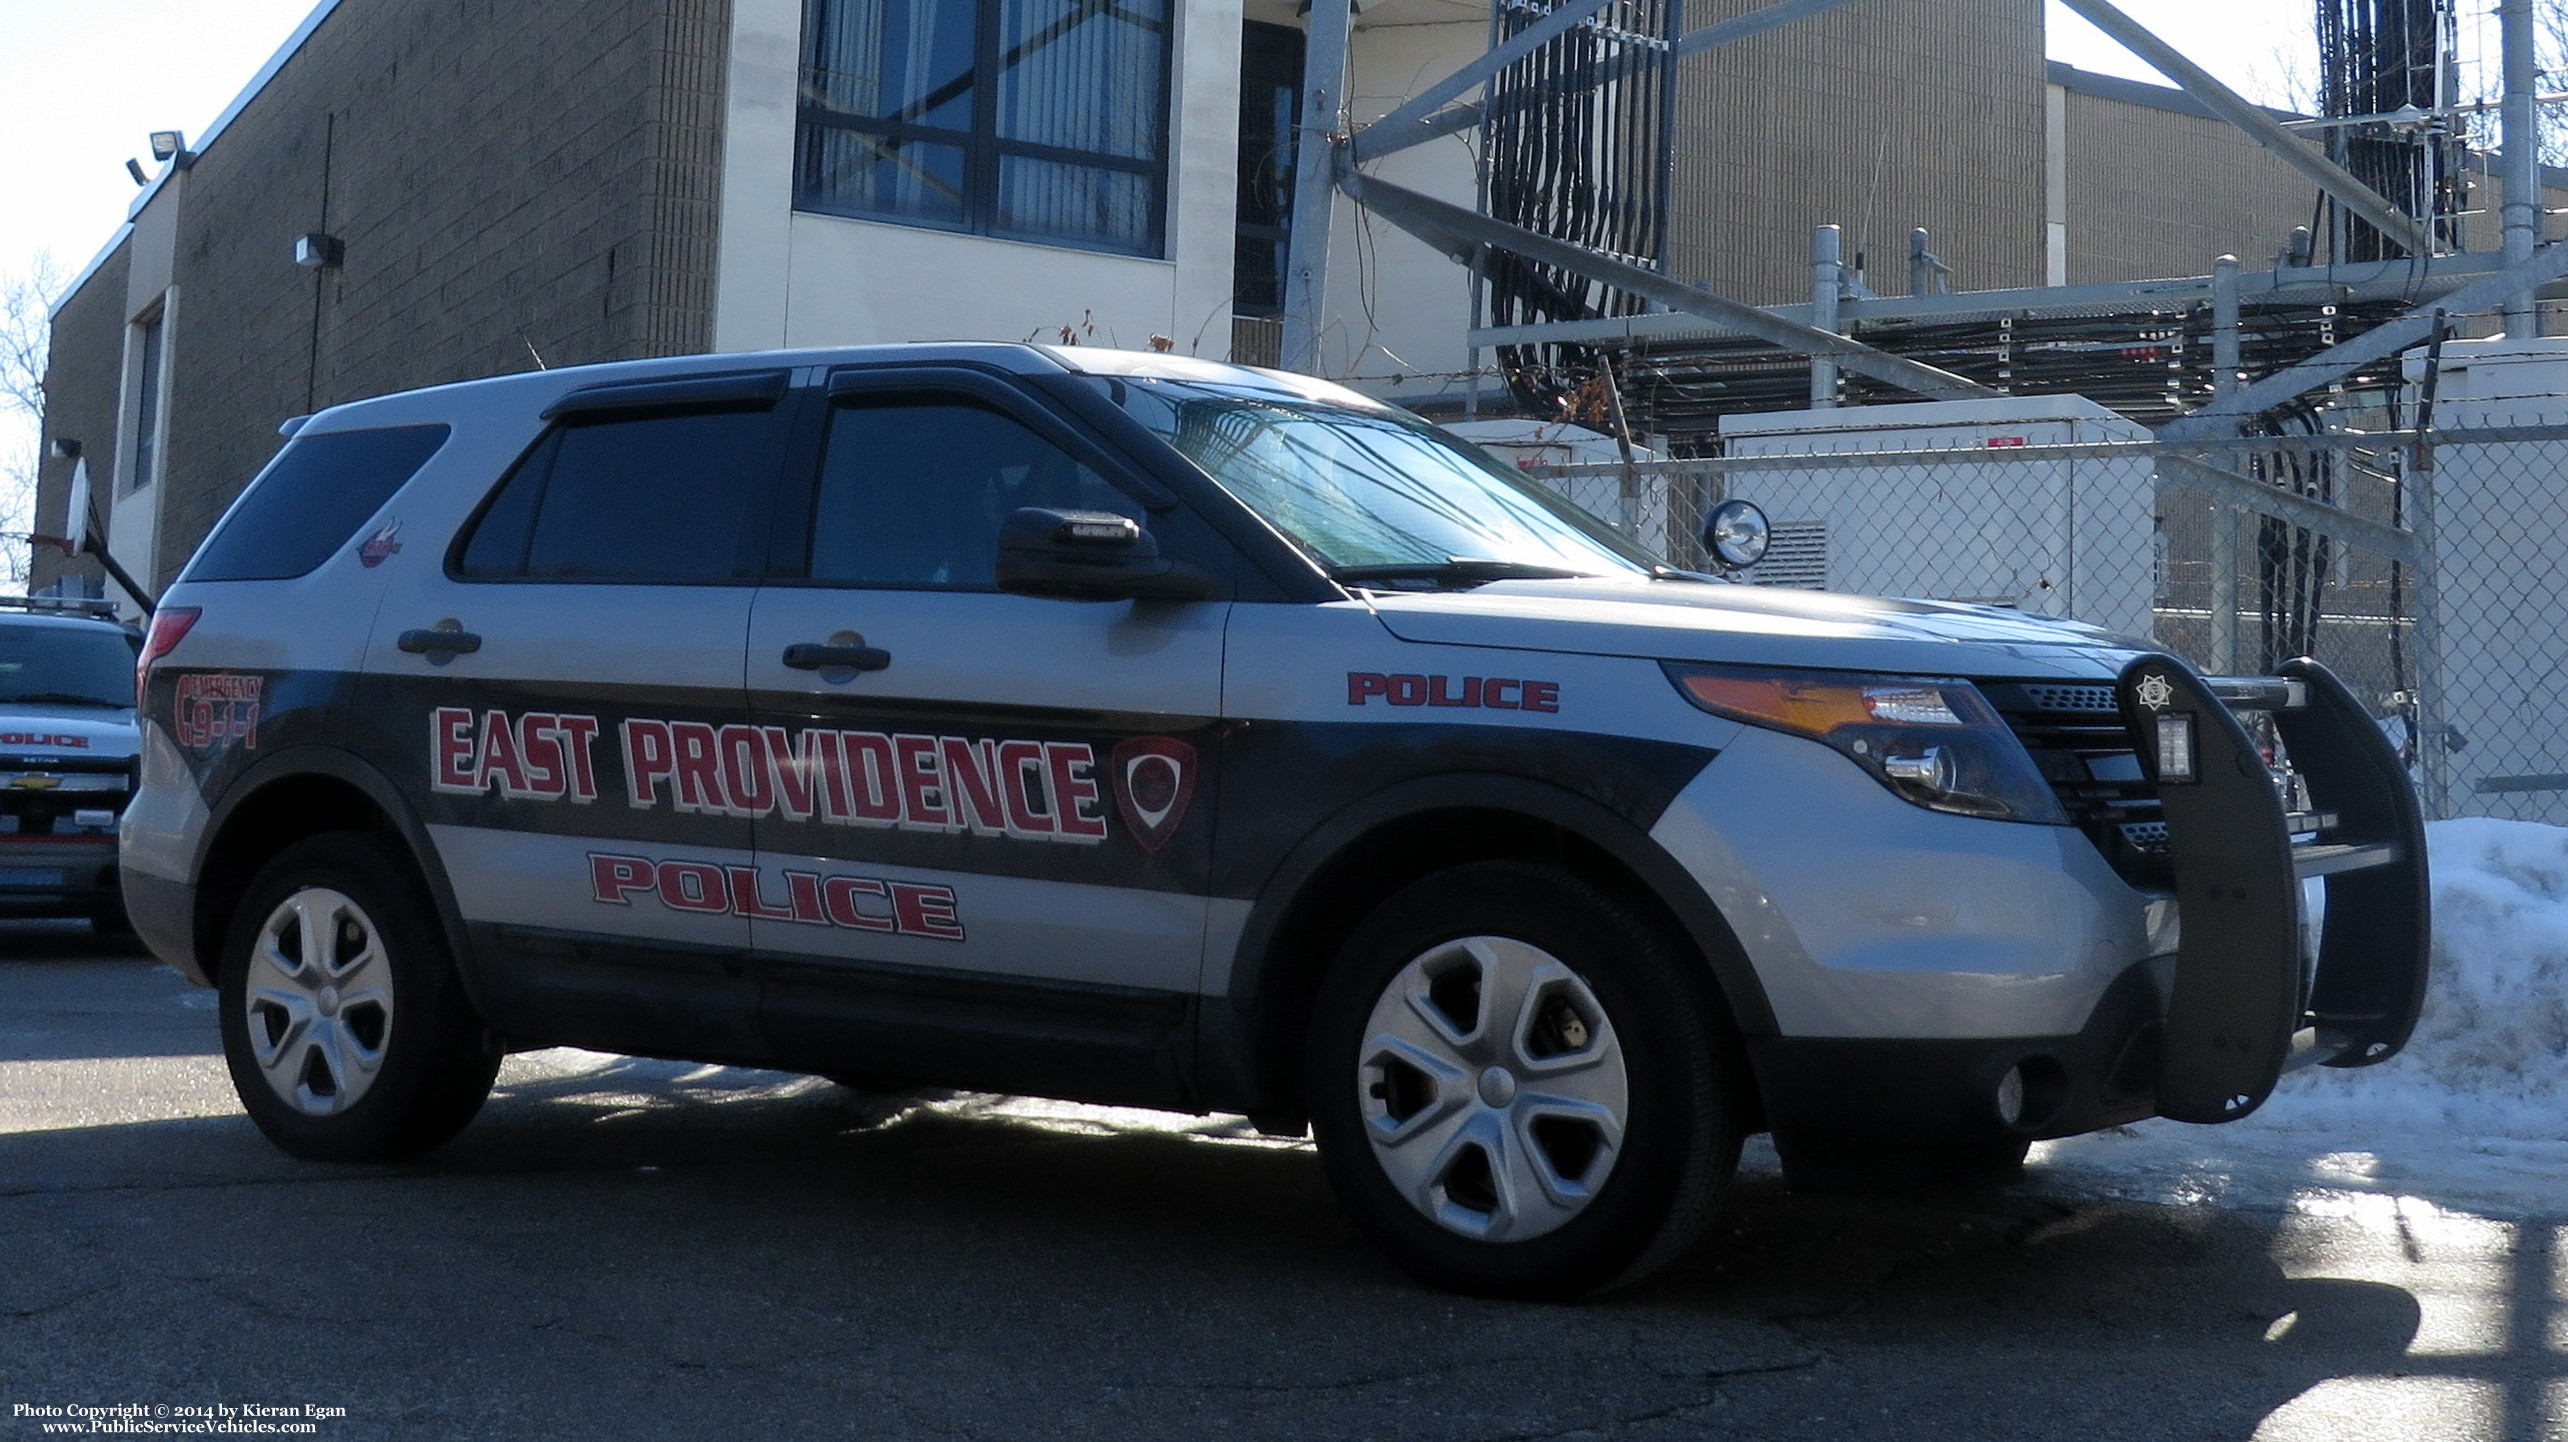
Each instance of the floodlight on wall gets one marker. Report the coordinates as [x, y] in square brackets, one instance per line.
[319, 252]
[65, 448]
[168, 144]
[134, 168]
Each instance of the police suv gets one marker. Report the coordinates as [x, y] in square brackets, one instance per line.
[1139, 730]
[67, 746]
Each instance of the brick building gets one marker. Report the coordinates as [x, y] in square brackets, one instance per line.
[496, 186]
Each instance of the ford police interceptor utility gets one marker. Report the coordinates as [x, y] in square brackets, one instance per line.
[1132, 729]
[66, 757]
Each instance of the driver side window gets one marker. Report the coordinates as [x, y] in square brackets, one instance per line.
[912, 491]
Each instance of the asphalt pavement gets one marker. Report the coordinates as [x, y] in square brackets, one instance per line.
[636, 1249]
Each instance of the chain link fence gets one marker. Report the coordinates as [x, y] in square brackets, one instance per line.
[2427, 570]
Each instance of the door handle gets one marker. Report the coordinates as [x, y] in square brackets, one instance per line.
[816, 656]
[439, 642]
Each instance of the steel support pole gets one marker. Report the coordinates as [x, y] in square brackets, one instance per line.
[2224, 326]
[2488, 292]
[1827, 284]
[1461, 233]
[2225, 520]
[2226, 103]
[1315, 165]
[2520, 134]
[1479, 72]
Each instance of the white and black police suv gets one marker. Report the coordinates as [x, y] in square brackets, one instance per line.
[1138, 730]
[67, 745]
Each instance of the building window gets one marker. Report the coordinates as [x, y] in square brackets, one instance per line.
[1270, 107]
[1043, 120]
[147, 406]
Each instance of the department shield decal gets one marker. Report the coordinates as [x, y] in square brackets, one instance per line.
[1154, 779]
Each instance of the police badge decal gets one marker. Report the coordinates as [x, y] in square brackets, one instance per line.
[1154, 779]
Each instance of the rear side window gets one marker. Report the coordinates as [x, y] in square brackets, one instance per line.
[310, 500]
[654, 498]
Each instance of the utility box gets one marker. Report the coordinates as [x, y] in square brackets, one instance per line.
[2072, 537]
[2500, 527]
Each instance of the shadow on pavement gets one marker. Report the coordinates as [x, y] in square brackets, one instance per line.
[646, 1249]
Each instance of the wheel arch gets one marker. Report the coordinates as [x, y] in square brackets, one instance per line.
[1251, 1044]
[297, 793]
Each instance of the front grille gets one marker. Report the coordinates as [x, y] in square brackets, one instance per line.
[2076, 737]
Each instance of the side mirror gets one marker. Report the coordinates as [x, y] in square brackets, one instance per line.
[1735, 535]
[1090, 556]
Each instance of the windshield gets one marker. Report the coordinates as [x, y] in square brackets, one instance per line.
[1373, 488]
[66, 666]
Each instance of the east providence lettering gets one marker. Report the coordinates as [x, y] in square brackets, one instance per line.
[1027, 790]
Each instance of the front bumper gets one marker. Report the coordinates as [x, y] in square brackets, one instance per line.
[57, 876]
[1911, 959]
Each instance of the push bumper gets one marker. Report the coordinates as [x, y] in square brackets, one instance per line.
[2243, 1009]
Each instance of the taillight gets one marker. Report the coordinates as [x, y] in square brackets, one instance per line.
[169, 623]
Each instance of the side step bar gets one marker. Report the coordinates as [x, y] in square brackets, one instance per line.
[2239, 1014]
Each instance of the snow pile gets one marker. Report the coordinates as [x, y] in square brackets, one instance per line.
[2490, 1054]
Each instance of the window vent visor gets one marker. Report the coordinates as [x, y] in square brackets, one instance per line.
[742, 390]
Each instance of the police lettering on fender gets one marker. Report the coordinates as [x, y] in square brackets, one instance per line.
[1494, 693]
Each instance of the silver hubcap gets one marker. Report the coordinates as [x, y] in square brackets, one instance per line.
[1492, 1088]
[319, 1001]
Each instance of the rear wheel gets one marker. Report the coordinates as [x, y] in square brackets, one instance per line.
[347, 1034]
[1517, 1087]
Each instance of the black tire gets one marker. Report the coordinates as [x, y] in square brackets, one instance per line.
[1686, 1088]
[397, 1064]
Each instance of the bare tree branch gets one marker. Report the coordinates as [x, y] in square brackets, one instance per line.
[25, 335]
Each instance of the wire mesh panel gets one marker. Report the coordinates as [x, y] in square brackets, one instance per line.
[2434, 582]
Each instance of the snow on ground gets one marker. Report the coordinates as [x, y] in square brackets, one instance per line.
[2472, 1116]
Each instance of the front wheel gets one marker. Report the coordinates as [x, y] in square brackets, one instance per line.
[348, 1037]
[1519, 1085]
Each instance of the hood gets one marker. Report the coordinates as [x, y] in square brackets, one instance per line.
[46, 731]
[1756, 625]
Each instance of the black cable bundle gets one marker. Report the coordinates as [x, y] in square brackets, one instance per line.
[2377, 57]
[1585, 162]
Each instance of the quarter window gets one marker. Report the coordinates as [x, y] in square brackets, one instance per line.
[661, 498]
[310, 501]
[912, 491]
[1032, 119]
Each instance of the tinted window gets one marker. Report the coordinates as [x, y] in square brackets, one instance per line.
[66, 666]
[649, 498]
[912, 492]
[310, 500]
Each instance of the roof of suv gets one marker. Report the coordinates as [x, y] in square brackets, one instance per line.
[12, 616]
[539, 388]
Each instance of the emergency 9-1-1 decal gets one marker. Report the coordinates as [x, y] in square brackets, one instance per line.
[811, 898]
[1041, 791]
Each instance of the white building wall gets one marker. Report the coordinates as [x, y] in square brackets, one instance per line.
[1396, 305]
[790, 279]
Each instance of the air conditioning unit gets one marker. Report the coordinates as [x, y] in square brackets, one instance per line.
[2070, 536]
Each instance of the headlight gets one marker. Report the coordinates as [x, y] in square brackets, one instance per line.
[1937, 743]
